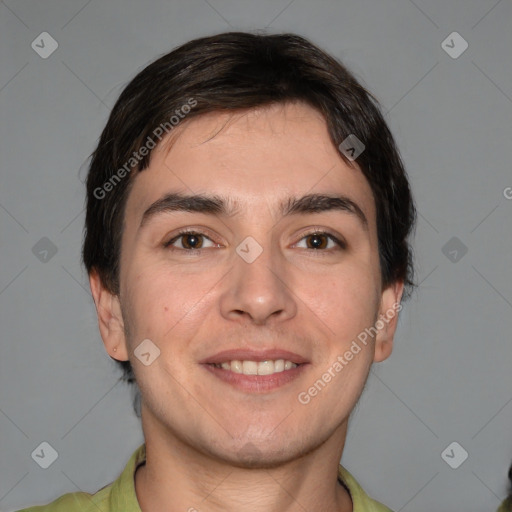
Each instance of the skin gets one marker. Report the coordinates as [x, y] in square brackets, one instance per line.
[211, 446]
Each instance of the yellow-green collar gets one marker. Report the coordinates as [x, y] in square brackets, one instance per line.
[123, 496]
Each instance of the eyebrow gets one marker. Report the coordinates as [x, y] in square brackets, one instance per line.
[216, 205]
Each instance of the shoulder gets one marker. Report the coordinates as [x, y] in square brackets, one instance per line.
[506, 506]
[361, 501]
[119, 495]
[76, 502]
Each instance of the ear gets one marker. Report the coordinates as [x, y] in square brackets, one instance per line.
[110, 318]
[387, 321]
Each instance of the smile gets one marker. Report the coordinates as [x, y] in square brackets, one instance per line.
[268, 367]
[256, 376]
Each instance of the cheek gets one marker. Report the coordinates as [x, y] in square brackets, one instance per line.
[163, 302]
[347, 301]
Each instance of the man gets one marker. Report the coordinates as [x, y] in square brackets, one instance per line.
[246, 242]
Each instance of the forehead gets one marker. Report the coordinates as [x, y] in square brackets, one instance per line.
[258, 157]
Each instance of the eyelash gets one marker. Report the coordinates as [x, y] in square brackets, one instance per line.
[181, 233]
[340, 243]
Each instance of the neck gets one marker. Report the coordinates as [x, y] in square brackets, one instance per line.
[177, 473]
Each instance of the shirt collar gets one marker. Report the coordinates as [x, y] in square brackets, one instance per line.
[123, 496]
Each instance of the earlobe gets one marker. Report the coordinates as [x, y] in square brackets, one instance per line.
[387, 321]
[110, 319]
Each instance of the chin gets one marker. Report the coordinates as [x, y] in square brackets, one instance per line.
[261, 454]
[252, 457]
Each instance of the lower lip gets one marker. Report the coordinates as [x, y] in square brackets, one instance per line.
[257, 383]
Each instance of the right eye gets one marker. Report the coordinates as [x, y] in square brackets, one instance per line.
[189, 241]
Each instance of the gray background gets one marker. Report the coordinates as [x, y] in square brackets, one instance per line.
[449, 378]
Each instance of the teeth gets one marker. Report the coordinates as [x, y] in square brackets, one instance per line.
[257, 368]
[279, 365]
[236, 366]
[250, 368]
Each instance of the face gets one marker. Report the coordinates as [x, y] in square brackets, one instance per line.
[280, 264]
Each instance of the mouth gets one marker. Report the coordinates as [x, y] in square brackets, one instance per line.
[256, 371]
[248, 367]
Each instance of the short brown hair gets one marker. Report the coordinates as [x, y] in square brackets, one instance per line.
[230, 72]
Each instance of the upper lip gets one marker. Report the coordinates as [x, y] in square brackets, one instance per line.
[253, 355]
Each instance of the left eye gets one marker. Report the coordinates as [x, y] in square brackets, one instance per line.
[189, 241]
[320, 241]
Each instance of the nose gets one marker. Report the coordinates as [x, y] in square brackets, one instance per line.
[260, 291]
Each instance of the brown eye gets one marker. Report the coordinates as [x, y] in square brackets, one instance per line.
[321, 241]
[189, 241]
[316, 241]
[192, 241]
